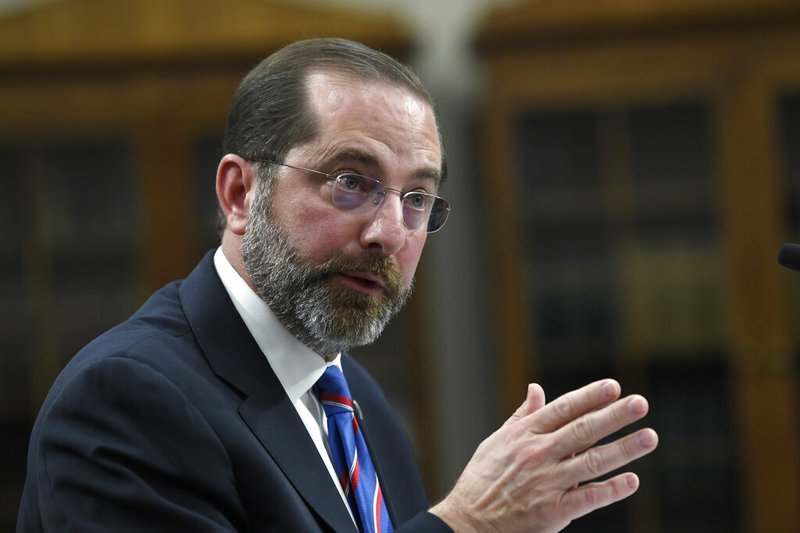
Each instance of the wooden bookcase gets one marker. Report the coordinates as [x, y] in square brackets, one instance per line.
[112, 118]
[641, 172]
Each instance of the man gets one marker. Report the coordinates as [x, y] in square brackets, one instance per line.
[208, 409]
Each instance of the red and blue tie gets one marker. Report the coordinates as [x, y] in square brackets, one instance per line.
[350, 455]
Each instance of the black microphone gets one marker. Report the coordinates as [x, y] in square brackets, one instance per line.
[789, 256]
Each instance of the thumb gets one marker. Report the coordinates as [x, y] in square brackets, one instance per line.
[533, 402]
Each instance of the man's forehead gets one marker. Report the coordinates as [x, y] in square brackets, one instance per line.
[319, 82]
[357, 119]
[334, 75]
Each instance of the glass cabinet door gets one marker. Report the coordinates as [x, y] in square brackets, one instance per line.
[621, 262]
[68, 270]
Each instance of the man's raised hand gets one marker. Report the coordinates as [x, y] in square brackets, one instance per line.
[535, 473]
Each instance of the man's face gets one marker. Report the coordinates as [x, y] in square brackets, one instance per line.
[336, 277]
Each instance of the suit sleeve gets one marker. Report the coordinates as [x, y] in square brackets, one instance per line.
[120, 448]
[424, 523]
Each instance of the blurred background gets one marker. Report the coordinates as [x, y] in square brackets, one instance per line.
[622, 174]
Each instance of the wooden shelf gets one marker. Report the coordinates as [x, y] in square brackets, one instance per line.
[638, 203]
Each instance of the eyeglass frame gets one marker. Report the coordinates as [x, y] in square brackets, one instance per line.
[332, 176]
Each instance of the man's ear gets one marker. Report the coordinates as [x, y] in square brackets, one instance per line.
[236, 185]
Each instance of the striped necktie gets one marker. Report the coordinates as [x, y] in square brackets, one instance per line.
[350, 455]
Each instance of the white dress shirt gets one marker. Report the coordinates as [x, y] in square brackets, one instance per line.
[298, 367]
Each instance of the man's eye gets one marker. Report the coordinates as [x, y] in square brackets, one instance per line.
[416, 200]
[350, 182]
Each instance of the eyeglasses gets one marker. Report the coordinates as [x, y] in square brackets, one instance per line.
[351, 191]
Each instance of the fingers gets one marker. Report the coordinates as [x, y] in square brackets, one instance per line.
[587, 498]
[533, 402]
[572, 405]
[530, 474]
[587, 416]
[600, 460]
[583, 432]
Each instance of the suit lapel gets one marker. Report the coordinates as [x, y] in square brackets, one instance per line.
[373, 436]
[274, 421]
[267, 411]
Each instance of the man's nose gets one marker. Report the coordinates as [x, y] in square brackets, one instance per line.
[385, 230]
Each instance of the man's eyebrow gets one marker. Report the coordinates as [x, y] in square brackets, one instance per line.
[363, 158]
[374, 166]
[430, 173]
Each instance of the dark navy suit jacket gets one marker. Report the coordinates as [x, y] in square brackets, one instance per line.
[174, 421]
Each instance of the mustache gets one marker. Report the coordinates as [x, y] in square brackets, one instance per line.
[377, 265]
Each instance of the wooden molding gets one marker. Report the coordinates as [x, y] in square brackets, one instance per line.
[84, 34]
[549, 22]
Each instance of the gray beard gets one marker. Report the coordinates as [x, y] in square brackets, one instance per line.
[325, 316]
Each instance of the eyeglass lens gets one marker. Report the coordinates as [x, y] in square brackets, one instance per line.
[352, 190]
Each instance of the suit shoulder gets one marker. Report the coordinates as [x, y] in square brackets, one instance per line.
[155, 330]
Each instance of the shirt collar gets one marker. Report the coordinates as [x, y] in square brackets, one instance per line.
[297, 366]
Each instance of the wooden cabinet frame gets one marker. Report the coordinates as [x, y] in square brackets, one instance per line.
[739, 58]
